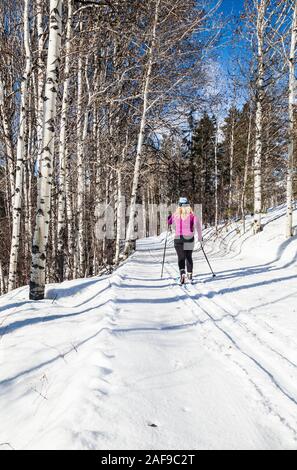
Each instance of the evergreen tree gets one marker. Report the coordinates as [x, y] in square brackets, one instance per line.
[201, 167]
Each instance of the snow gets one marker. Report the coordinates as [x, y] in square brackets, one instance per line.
[130, 361]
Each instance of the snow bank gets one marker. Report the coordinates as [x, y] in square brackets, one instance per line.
[128, 360]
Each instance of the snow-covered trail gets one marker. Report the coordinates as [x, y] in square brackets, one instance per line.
[130, 361]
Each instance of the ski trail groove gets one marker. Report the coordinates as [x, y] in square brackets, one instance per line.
[261, 368]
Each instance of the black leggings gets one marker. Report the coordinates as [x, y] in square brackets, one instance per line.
[184, 252]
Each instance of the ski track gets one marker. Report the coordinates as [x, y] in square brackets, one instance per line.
[233, 338]
[129, 361]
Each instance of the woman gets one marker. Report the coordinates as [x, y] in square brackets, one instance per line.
[185, 225]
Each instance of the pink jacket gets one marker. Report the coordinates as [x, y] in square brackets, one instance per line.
[186, 227]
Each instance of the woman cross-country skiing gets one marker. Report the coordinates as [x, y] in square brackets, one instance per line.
[186, 223]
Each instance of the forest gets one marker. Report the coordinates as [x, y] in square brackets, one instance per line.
[105, 100]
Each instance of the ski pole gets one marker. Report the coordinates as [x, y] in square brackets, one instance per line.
[213, 274]
[164, 254]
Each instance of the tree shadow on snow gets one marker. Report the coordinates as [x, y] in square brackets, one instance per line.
[259, 268]
[10, 306]
[4, 330]
[64, 292]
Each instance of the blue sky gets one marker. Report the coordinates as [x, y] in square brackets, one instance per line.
[229, 6]
[231, 10]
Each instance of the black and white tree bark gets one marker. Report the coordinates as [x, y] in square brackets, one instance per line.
[291, 133]
[39, 76]
[261, 26]
[63, 151]
[8, 145]
[231, 163]
[41, 233]
[20, 157]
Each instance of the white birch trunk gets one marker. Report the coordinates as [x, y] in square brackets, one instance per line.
[231, 160]
[119, 212]
[7, 201]
[104, 241]
[246, 172]
[292, 97]
[262, 6]
[2, 280]
[19, 171]
[97, 187]
[28, 167]
[40, 240]
[80, 191]
[40, 77]
[130, 228]
[71, 234]
[62, 152]
[8, 145]
[82, 122]
[144, 215]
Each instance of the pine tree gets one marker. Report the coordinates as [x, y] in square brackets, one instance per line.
[202, 167]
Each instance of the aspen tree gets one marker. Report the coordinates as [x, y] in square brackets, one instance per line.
[291, 137]
[261, 24]
[40, 238]
[62, 150]
[19, 171]
[151, 51]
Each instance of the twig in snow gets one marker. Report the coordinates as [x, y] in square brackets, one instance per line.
[7, 444]
[74, 347]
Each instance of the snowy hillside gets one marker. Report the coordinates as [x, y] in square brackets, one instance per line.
[130, 361]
